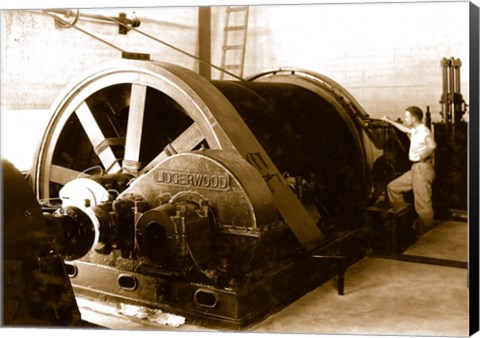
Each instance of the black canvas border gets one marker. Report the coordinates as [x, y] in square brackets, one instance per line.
[473, 276]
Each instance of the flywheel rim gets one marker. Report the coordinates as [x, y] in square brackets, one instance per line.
[175, 82]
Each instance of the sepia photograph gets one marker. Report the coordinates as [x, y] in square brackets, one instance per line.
[178, 168]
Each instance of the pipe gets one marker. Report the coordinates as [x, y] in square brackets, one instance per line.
[444, 99]
[451, 73]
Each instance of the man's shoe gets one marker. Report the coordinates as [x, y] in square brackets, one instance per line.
[417, 227]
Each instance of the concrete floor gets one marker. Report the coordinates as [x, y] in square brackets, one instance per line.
[383, 296]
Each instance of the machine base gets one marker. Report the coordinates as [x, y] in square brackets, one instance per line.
[211, 306]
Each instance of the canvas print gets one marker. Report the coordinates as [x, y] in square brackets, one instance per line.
[255, 168]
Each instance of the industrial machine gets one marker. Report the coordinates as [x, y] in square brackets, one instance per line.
[219, 200]
[450, 189]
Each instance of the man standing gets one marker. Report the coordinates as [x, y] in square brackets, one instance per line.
[421, 175]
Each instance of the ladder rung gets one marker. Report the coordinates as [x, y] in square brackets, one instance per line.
[235, 28]
[237, 9]
[233, 47]
[232, 66]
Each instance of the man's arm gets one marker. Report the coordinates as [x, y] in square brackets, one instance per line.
[397, 125]
[431, 145]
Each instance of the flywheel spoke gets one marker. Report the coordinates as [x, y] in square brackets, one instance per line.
[124, 119]
[135, 127]
[97, 139]
[186, 141]
[62, 175]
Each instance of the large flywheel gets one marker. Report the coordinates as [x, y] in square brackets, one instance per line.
[122, 117]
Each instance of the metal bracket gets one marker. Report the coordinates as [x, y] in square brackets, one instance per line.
[128, 24]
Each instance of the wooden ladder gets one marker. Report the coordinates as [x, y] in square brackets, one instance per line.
[234, 40]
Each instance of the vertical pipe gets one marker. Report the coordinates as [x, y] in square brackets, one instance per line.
[457, 98]
[451, 89]
[457, 64]
[428, 118]
[444, 100]
[204, 41]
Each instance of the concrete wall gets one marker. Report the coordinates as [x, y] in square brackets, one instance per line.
[39, 59]
[387, 55]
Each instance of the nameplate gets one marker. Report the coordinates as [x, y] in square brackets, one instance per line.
[194, 180]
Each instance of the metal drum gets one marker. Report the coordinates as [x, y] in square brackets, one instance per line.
[122, 116]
